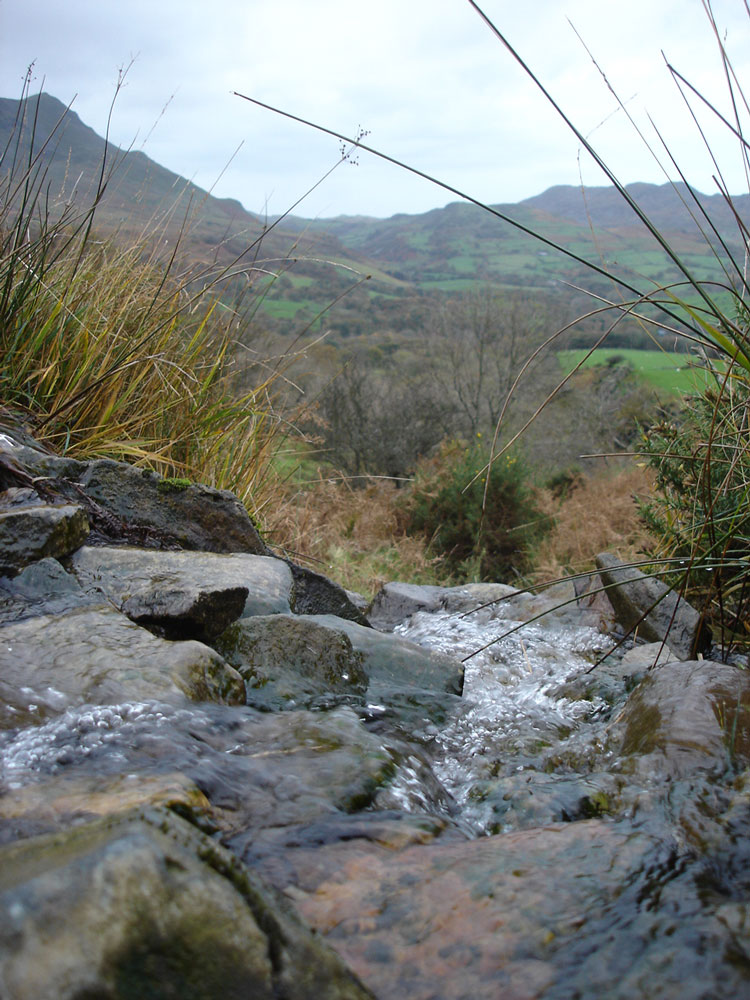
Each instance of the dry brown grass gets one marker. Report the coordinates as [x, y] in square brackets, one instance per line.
[351, 533]
[356, 534]
[599, 513]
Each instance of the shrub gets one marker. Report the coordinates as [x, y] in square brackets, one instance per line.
[700, 510]
[483, 530]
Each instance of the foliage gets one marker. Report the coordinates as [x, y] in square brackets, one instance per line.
[353, 532]
[489, 538]
[591, 514]
[475, 344]
[113, 351]
[701, 507]
[379, 420]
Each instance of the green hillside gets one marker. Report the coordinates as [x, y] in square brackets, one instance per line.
[670, 374]
[138, 193]
[411, 262]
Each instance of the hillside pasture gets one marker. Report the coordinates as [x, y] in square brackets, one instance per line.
[670, 374]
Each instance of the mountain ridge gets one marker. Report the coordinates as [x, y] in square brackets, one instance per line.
[445, 250]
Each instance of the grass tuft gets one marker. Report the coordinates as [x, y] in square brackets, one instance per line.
[121, 351]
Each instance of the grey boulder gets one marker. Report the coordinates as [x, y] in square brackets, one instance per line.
[148, 906]
[35, 531]
[98, 656]
[292, 662]
[658, 613]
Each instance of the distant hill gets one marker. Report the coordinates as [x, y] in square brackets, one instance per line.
[604, 208]
[452, 246]
[138, 191]
[439, 252]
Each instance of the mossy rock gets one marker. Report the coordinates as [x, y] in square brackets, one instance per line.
[173, 485]
[147, 907]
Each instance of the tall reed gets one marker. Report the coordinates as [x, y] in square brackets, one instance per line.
[120, 350]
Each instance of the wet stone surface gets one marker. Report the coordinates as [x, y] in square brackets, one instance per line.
[480, 799]
[94, 655]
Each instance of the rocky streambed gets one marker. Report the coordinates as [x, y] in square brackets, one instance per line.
[221, 777]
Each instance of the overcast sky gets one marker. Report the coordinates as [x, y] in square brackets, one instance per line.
[425, 77]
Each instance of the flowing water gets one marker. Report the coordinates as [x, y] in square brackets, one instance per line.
[523, 748]
[515, 705]
[512, 710]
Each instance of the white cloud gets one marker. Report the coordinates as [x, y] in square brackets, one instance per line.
[425, 76]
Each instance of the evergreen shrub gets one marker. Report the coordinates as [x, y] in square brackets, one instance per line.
[489, 539]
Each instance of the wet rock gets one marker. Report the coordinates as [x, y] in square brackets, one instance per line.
[19, 497]
[592, 598]
[69, 799]
[412, 690]
[485, 918]
[647, 604]
[556, 606]
[97, 656]
[42, 588]
[292, 662]
[186, 594]
[615, 677]
[533, 798]
[392, 662]
[315, 594]
[33, 532]
[258, 771]
[129, 505]
[396, 602]
[637, 661]
[686, 718]
[147, 906]
[393, 829]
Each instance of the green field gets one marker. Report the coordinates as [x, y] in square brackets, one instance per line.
[670, 374]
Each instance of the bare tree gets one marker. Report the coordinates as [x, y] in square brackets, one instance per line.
[380, 421]
[476, 344]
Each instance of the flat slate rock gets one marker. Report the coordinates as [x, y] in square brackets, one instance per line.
[67, 798]
[98, 656]
[177, 587]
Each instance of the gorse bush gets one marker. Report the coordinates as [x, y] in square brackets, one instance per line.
[481, 530]
[700, 510]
